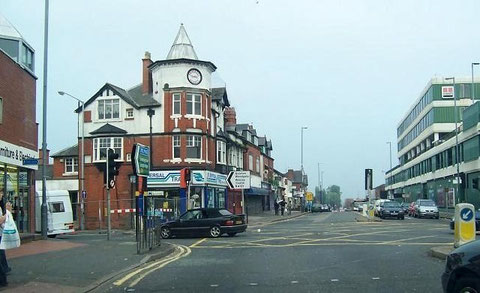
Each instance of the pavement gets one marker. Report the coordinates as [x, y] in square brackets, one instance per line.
[322, 252]
[75, 263]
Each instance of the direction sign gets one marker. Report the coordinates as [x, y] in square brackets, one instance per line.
[239, 180]
[466, 214]
[141, 160]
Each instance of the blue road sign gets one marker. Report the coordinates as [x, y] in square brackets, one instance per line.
[30, 162]
[466, 214]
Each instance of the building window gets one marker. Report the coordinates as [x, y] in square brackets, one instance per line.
[221, 152]
[101, 144]
[1, 110]
[194, 147]
[257, 165]
[194, 104]
[71, 165]
[108, 109]
[250, 162]
[129, 157]
[176, 146]
[27, 57]
[177, 110]
[130, 113]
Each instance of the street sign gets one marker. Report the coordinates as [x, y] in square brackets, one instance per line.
[112, 183]
[309, 196]
[31, 161]
[141, 160]
[239, 180]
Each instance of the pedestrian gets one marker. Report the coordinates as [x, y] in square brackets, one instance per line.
[3, 259]
[282, 206]
[276, 206]
[289, 208]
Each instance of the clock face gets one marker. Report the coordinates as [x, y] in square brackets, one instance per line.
[194, 76]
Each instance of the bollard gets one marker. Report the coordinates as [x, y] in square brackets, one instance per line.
[464, 224]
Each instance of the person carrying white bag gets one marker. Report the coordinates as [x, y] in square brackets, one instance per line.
[10, 237]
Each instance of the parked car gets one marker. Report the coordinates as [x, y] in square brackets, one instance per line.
[426, 208]
[462, 269]
[317, 207]
[405, 206]
[477, 221]
[211, 222]
[391, 209]
[377, 206]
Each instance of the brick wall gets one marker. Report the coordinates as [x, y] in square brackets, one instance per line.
[17, 88]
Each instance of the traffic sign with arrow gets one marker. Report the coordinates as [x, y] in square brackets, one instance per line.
[239, 180]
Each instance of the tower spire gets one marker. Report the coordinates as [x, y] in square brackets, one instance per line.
[182, 46]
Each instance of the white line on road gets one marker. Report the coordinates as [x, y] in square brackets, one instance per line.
[334, 280]
[375, 278]
[253, 284]
[294, 282]
[214, 285]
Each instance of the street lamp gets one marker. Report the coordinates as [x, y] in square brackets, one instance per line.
[390, 143]
[303, 128]
[456, 138]
[82, 179]
[473, 85]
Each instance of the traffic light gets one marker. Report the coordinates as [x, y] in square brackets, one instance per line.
[185, 177]
[475, 183]
[112, 167]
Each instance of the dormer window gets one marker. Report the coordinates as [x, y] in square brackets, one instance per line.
[108, 109]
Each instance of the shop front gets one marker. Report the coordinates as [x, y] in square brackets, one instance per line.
[17, 183]
[206, 190]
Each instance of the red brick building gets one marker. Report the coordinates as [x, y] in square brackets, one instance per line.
[18, 126]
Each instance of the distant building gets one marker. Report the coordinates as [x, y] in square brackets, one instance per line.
[18, 125]
[426, 146]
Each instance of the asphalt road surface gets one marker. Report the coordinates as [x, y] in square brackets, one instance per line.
[323, 252]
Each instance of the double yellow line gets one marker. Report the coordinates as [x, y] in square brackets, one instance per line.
[139, 274]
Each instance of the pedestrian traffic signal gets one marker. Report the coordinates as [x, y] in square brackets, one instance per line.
[185, 177]
[112, 167]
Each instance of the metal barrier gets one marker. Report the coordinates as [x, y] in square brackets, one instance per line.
[152, 212]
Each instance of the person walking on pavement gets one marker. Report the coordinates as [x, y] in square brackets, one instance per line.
[3, 270]
[3, 257]
[282, 206]
[289, 208]
[276, 206]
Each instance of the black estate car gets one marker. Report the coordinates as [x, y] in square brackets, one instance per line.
[205, 221]
[391, 209]
[462, 270]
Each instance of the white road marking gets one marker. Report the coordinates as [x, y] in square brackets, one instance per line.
[294, 282]
[375, 278]
[214, 285]
[253, 284]
[334, 280]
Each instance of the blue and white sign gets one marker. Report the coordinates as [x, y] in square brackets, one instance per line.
[172, 178]
[466, 214]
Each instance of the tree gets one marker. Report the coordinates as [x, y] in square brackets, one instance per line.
[333, 196]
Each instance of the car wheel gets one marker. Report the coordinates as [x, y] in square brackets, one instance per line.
[232, 234]
[215, 232]
[165, 232]
[464, 285]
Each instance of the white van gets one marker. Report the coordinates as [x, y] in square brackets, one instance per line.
[59, 212]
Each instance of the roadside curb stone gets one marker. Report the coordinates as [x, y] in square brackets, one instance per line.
[148, 258]
[440, 252]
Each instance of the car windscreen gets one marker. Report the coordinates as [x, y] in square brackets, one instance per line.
[225, 212]
[391, 204]
[427, 203]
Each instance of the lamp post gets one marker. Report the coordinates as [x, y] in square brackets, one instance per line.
[303, 128]
[473, 84]
[44, 126]
[390, 143]
[82, 177]
[456, 138]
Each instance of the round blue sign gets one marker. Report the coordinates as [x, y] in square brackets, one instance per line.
[466, 214]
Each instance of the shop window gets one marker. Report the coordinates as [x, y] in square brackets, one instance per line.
[177, 110]
[101, 144]
[194, 104]
[176, 146]
[194, 146]
[71, 165]
[108, 109]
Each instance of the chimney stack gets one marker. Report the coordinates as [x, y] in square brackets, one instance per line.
[230, 116]
[147, 74]
[40, 157]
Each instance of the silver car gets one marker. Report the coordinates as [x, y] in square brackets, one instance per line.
[426, 208]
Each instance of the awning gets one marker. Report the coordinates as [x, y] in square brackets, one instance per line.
[257, 191]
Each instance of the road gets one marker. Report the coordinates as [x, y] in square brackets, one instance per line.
[326, 252]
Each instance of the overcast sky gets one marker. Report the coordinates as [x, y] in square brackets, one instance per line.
[349, 70]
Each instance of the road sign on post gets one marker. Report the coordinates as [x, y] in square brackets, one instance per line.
[141, 160]
[239, 180]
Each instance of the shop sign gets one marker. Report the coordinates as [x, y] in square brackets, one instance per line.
[14, 155]
[164, 178]
[198, 178]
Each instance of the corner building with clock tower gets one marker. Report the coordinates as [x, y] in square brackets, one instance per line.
[176, 108]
